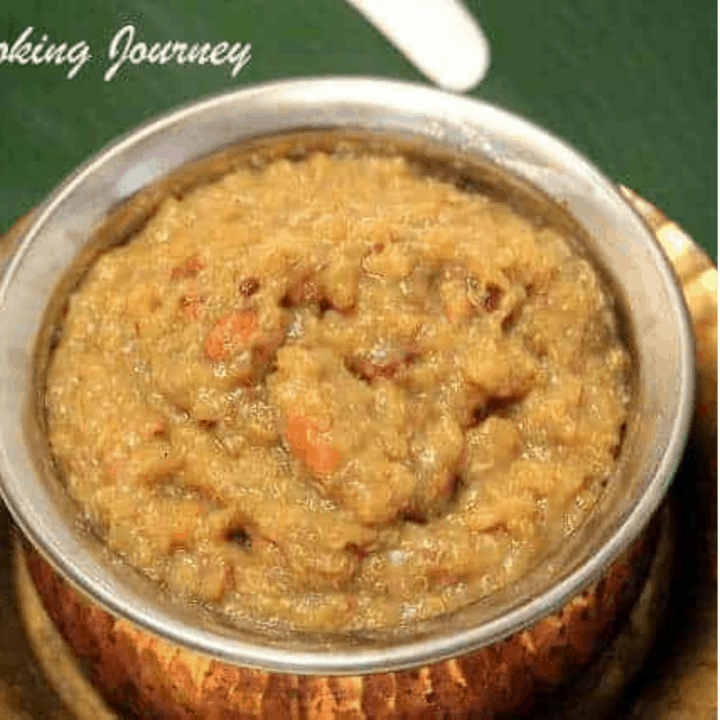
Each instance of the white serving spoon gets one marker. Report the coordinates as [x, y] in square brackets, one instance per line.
[440, 37]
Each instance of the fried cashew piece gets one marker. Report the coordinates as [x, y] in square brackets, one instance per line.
[317, 455]
[231, 332]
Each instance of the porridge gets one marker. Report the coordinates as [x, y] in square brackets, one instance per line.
[337, 394]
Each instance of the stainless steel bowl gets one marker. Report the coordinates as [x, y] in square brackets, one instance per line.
[625, 249]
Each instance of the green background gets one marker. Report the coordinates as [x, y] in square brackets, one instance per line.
[631, 83]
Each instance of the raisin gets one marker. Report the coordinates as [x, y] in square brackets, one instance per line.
[249, 286]
[240, 537]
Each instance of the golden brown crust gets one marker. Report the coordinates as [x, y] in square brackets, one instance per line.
[144, 675]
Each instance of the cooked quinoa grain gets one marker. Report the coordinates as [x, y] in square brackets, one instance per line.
[335, 394]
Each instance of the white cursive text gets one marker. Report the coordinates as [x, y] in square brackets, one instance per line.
[24, 52]
[124, 49]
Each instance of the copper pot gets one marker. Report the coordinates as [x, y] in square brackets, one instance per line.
[132, 173]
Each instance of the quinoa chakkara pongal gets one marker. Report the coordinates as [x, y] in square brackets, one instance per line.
[337, 394]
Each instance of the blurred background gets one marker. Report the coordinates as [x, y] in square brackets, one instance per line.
[631, 83]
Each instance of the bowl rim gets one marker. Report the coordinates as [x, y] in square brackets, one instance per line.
[354, 91]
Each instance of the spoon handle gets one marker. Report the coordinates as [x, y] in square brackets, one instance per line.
[440, 37]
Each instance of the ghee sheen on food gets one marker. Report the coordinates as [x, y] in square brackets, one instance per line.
[337, 394]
